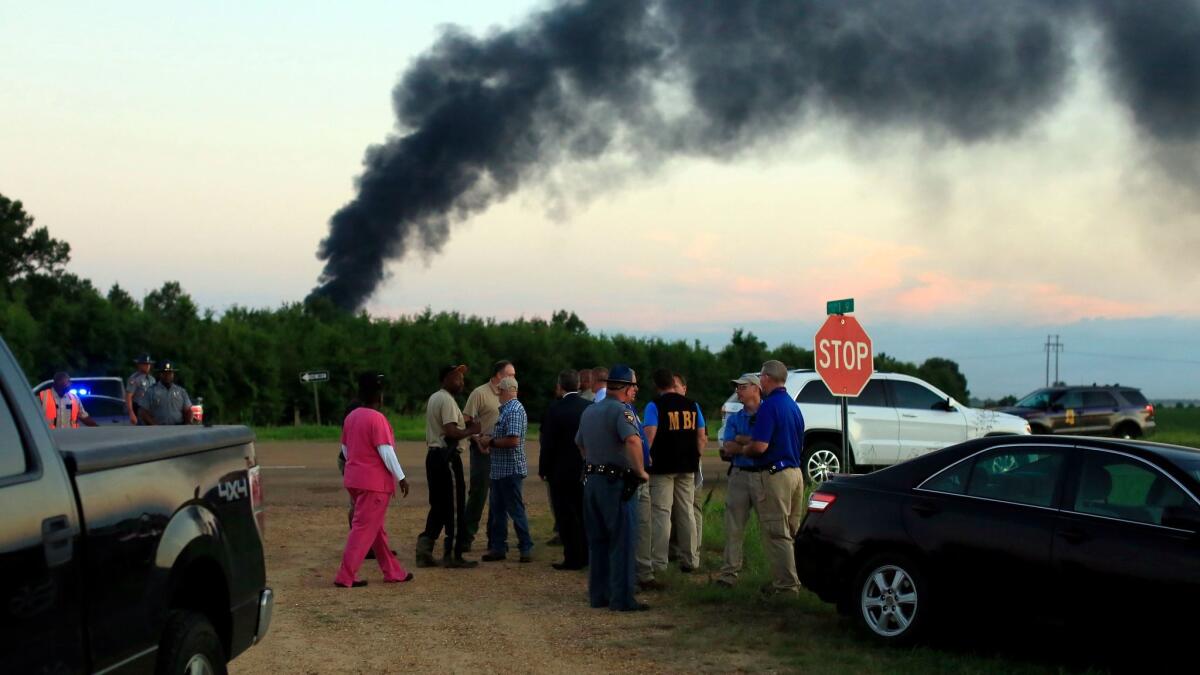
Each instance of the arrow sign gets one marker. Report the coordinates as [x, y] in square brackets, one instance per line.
[314, 376]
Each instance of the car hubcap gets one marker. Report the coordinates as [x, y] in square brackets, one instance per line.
[889, 601]
[823, 464]
[199, 665]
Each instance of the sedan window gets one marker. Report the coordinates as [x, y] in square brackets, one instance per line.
[1118, 487]
[913, 395]
[1019, 475]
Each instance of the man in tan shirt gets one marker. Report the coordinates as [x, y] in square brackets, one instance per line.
[483, 406]
[444, 428]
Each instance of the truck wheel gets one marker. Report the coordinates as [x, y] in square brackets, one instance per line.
[190, 646]
[821, 460]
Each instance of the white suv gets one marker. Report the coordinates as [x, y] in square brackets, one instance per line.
[896, 417]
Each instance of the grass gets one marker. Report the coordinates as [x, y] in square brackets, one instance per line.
[1179, 426]
[406, 428]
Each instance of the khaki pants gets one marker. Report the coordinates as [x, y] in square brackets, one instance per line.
[741, 497]
[780, 507]
[668, 491]
[642, 562]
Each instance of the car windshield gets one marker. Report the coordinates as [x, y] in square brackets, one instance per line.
[1039, 399]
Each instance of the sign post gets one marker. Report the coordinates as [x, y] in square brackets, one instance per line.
[845, 361]
[315, 376]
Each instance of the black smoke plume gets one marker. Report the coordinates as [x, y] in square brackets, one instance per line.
[477, 117]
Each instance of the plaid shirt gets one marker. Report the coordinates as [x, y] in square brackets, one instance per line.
[513, 422]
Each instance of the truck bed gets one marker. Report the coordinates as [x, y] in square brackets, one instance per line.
[88, 450]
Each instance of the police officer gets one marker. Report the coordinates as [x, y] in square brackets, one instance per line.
[136, 386]
[612, 452]
[166, 402]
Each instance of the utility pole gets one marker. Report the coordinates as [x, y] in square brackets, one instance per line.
[1056, 346]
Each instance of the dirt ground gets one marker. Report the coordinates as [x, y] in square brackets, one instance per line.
[502, 616]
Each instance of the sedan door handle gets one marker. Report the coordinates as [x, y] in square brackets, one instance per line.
[913, 417]
[925, 509]
[1074, 535]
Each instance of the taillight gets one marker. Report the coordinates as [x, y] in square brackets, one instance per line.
[821, 501]
[1150, 410]
[256, 500]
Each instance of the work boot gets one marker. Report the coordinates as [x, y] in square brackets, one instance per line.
[424, 553]
[458, 562]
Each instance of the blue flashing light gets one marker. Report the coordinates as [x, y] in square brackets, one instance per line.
[80, 392]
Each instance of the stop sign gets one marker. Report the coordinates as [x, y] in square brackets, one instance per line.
[844, 356]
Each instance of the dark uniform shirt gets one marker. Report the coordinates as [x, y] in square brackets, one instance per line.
[167, 405]
[138, 384]
[603, 430]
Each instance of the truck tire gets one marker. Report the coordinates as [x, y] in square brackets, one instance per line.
[190, 646]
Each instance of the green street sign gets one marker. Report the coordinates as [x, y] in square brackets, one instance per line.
[839, 306]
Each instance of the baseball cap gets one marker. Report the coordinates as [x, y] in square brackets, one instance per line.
[446, 370]
[621, 374]
[750, 378]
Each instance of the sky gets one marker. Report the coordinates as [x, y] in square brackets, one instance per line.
[210, 144]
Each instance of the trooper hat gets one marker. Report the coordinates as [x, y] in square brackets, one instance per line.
[143, 358]
[620, 374]
[167, 366]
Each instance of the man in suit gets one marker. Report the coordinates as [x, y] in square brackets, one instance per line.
[561, 463]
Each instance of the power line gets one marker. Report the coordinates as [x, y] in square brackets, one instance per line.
[1056, 347]
[1130, 357]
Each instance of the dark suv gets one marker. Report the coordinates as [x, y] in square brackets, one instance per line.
[1091, 411]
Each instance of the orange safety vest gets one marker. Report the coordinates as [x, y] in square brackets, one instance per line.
[51, 410]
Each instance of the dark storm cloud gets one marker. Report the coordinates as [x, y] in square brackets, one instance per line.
[477, 117]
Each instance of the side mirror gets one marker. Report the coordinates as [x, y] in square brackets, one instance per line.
[944, 406]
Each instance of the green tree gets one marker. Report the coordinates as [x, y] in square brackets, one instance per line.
[24, 249]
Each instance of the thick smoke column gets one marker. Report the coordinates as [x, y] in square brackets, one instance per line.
[478, 116]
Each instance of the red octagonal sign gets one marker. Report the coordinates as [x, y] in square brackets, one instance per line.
[845, 359]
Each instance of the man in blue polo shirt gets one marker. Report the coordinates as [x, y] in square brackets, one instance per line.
[745, 476]
[776, 443]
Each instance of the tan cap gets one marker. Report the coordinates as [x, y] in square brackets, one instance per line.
[748, 379]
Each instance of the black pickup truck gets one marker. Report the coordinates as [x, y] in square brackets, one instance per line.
[126, 550]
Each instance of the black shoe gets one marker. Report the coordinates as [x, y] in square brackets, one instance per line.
[426, 560]
[526, 558]
[459, 562]
[399, 581]
[555, 541]
[567, 566]
[492, 557]
[636, 607]
[357, 584]
[652, 585]
[687, 569]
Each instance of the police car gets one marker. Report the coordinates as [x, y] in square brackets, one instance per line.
[895, 418]
[102, 397]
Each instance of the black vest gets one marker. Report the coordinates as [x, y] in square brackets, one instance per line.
[674, 449]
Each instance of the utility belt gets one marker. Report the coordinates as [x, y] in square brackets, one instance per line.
[631, 480]
[771, 469]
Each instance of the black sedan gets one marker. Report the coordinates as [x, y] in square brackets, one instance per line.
[1084, 532]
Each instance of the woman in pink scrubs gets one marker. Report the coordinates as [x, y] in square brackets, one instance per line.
[372, 473]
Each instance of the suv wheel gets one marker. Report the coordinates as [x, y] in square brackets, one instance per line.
[892, 598]
[190, 646]
[821, 460]
[1127, 430]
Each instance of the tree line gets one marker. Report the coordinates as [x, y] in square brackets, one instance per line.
[246, 362]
